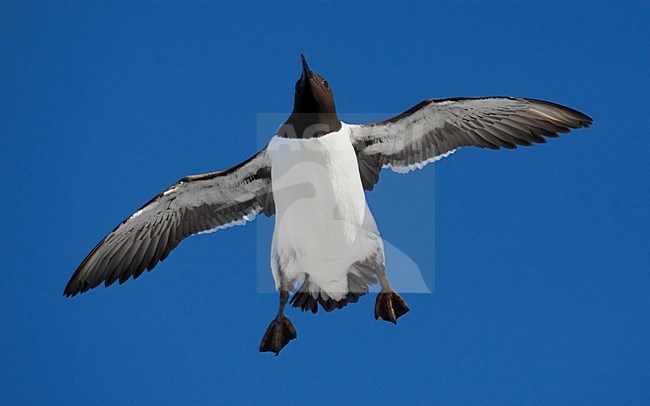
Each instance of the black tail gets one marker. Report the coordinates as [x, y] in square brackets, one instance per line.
[360, 277]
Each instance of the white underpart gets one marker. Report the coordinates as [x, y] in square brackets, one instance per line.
[323, 224]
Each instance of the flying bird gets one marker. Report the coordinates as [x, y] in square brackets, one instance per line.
[313, 175]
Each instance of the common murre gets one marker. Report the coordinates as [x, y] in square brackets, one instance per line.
[312, 175]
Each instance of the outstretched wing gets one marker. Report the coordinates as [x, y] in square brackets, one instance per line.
[436, 128]
[193, 205]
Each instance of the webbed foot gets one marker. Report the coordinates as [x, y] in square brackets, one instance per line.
[390, 306]
[279, 333]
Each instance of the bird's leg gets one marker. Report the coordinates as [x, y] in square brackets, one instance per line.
[280, 331]
[389, 305]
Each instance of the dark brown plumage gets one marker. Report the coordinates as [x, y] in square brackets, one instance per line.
[314, 110]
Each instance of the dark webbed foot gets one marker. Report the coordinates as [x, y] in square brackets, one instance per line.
[279, 333]
[390, 306]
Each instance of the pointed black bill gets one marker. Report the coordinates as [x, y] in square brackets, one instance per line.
[305, 68]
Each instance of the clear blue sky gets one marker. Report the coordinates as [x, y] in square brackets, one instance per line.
[542, 284]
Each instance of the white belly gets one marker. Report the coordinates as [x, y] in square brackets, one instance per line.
[323, 224]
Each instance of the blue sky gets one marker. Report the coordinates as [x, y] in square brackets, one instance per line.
[540, 264]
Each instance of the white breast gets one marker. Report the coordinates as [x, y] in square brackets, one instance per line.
[323, 224]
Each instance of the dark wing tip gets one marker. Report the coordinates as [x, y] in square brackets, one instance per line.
[72, 289]
[583, 119]
[75, 286]
[587, 121]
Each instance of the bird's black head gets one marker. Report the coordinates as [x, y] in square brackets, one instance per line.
[314, 111]
[313, 93]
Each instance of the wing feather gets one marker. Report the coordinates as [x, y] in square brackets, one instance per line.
[195, 204]
[437, 127]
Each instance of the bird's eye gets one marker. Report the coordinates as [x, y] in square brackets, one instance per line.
[327, 86]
